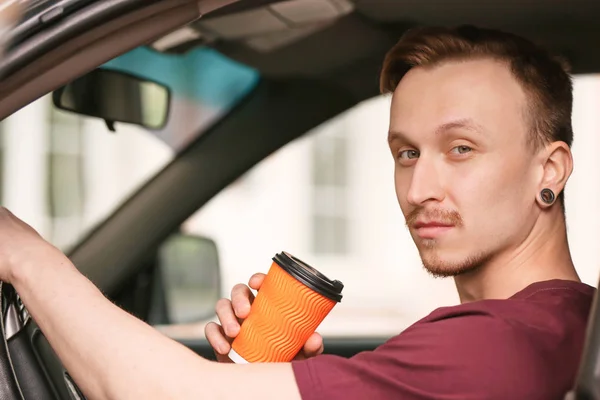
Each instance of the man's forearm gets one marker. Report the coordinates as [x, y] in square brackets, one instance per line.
[109, 353]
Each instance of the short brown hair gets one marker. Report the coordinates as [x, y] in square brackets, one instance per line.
[545, 78]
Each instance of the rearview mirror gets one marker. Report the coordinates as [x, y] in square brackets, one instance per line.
[190, 275]
[116, 96]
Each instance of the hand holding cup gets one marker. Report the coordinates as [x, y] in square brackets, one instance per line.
[232, 312]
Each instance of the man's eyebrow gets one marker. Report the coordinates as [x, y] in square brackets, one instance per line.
[464, 123]
[395, 135]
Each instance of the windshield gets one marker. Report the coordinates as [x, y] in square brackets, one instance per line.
[64, 173]
[204, 83]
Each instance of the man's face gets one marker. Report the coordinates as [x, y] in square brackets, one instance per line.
[465, 174]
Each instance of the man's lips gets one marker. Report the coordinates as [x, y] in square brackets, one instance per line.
[431, 224]
[431, 229]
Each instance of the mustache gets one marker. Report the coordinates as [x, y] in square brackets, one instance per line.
[449, 217]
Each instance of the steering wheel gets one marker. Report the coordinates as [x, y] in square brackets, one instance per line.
[29, 369]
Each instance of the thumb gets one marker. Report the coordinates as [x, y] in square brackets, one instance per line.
[313, 347]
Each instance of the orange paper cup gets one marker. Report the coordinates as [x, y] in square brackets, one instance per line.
[291, 303]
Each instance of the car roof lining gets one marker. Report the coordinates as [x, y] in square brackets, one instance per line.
[241, 6]
[566, 28]
[348, 40]
[508, 14]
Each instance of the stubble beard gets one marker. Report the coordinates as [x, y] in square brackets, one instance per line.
[443, 268]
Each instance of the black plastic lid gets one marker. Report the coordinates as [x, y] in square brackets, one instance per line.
[310, 276]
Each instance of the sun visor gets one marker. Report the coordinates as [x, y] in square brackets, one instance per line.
[263, 29]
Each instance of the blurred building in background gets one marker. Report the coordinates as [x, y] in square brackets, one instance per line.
[327, 198]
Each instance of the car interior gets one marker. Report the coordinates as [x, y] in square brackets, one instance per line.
[300, 87]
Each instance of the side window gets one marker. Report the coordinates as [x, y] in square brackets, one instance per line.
[65, 176]
[329, 231]
[63, 173]
[329, 199]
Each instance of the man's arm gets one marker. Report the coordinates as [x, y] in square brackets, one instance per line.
[110, 353]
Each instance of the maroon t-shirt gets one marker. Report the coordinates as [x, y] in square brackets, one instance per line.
[525, 347]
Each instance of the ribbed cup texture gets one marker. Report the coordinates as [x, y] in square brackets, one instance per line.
[283, 316]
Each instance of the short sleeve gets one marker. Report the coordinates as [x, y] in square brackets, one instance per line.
[471, 357]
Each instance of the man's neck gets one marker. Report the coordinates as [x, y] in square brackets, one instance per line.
[543, 256]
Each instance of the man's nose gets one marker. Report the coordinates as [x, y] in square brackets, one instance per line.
[425, 184]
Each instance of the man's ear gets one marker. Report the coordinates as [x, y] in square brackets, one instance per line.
[557, 162]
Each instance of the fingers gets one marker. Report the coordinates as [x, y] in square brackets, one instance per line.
[227, 318]
[256, 281]
[231, 313]
[242, 297]
[313, 347]
[218, 341]
[241, 300]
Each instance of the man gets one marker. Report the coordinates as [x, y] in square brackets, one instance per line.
[480, 131]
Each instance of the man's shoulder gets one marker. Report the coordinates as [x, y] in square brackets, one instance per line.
[533, 304]
[478, 329]
[537, 319]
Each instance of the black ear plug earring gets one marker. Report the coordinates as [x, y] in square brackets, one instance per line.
[547, 196]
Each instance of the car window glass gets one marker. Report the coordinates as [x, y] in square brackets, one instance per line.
[63, 174]
[328, 198]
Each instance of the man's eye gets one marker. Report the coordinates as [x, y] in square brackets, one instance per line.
[461, 149]
[408, 154]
